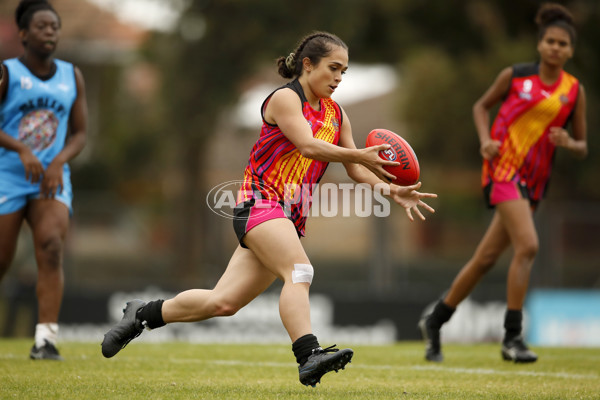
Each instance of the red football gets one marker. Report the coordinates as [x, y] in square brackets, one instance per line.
[408, 172]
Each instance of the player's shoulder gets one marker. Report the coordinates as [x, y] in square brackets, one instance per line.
[284, 95]
[525, 69]
[9, 63]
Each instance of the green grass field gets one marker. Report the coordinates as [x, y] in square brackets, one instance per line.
[193, 371]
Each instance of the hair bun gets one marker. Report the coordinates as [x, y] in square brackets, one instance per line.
[550, 13]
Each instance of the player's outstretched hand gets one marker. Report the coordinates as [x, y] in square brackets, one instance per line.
[409, 198]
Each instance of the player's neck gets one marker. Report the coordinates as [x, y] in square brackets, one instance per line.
[40, 66]
[549, 74]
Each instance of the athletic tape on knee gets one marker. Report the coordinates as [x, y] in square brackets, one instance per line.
[302, 273]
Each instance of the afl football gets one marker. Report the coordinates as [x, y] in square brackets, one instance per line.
[408, 172]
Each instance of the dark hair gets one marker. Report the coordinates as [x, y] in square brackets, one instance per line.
[26, 9]
[315, 46]
[553, 14]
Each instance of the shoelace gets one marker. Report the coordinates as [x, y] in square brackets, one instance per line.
[329, 349]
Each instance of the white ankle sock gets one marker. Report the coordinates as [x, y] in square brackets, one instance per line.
[47, 331]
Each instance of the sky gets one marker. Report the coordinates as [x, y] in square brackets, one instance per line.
[160, 15]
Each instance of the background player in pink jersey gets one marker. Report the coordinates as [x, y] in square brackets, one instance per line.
[537, 102]
[303, 130]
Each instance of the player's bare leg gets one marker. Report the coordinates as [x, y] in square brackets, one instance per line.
[243, 280]
[494, 242]
[518, 221]
[10, 225]
[49, 222]
[277, 245]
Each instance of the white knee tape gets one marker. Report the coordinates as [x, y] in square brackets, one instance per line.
[302, 273]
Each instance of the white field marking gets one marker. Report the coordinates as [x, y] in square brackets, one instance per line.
[473, 371]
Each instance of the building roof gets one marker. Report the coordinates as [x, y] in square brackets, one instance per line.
[86, 30]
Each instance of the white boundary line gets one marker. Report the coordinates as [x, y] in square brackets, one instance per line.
[473, 371]
[455, 370]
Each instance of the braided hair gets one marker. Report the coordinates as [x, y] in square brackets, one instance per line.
[26, 9]
[553, 14]
[315, 46]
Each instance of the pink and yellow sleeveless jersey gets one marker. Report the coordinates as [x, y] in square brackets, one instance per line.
[278, 172]
[522, 126]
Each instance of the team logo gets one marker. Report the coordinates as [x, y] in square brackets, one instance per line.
[38, 129]
[525, 93]
[564, 99]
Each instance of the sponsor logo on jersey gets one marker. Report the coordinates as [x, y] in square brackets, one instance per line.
[26, 83]
[525, 93]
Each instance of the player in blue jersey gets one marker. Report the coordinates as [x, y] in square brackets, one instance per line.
[43, 119]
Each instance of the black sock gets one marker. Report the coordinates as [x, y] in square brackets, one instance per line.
[440, 315]
[152, 314]
[513, 320]
[304, 346]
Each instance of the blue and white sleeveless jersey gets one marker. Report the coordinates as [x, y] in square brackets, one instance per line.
[36, 112]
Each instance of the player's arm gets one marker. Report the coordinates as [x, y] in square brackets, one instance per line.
[75, 142]
[3, 81]
[33, 167]
[577, 143]
[481, 113]
[358, 172]
[285, 110]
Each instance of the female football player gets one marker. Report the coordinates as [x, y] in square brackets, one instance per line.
[41, 99]
[538, 100]
[303, 130]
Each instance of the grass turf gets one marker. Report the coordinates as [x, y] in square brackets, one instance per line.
[224, 371]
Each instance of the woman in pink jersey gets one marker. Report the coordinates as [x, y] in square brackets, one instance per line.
[538, 100]
[303, 130]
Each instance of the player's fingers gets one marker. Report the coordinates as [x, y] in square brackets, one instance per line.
[409, 214]
[47, 189]
[381, 147]
[419, 213]
[389, 163]
[426, 206]
[415, 186]
[387, 175]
